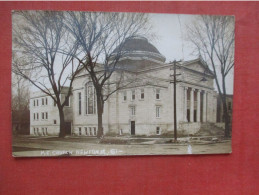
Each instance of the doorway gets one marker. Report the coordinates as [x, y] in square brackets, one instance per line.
[132, 125]
[68, 128]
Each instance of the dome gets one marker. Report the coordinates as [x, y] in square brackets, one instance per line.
[139, 53]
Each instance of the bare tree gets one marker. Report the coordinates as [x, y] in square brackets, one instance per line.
[214, 39]
[20, 105]
[101, 37]
[43, 48]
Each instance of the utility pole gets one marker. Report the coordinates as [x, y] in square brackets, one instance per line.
[175, 112]
[175, 119]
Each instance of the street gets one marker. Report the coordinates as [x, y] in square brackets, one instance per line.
[87, 146]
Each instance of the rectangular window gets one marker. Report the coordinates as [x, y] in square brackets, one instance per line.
[42, 101]
[95, 133]
[46, 131]
[34, 130]
[46, 101]
[79, 103]
[34, 116]
[133, 95]
[142, 96]
[133, 111]
[46, 115]
[42, 115]
[158, 130]
[86, 133]
[158, 94]
[79, 131]
[125, 95]
[37, 102]
[157, 111]
[37, 116]
[55, 121]
[90, 131]
[34, 103]
[42, 129]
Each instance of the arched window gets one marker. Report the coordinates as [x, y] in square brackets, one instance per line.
[90, 99]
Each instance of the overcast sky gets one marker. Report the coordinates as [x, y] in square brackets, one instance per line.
[169, 30]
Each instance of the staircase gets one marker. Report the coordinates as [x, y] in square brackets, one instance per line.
[209, 129]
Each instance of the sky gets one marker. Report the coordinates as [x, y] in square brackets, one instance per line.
[169, 30]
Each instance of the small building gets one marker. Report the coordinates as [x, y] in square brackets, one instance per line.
[44, 114]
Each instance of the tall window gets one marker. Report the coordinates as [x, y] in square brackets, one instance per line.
[42, 115]
[42, 101]
[158, 94]
[157, 111]
[90, 99]
[37, 102]
[79, 129]
[95, 132]
[133, 95]
[142, 96]
[34, 103]
[90, 131]
[34, 116]
[37, 116]
[46, 101]
[125, 95]
[79, 103]
[46, 116]
[133, 111]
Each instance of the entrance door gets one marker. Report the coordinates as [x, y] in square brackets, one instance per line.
[68, 128]
[132, 127]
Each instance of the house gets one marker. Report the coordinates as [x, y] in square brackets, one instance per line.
[144, 105]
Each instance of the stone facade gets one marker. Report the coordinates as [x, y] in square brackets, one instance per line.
[143, 107]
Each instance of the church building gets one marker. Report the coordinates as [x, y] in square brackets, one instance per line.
[145, 103]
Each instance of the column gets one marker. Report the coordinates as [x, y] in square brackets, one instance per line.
[191, 105]
[198, 105]
[204, 109]
[185, 104]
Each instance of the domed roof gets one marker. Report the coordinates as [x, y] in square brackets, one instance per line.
[138, 44]
[139, 53]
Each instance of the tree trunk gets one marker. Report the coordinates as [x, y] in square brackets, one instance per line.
[62, 125]
[225, 110]
[100, 115]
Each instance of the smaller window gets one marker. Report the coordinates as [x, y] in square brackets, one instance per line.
[142, 96]
[34, 103]
[37, 102]
[46, 115]
[42, 101]
[158, 94]
[125, 95]
[38, 131]
[133, 95]
[46, 101]
[37, 116]
[42, 129]
[133, 111]
[42, 115]
[46, 131]
[158, 130]
[79, 129]
[34, 116]
[90, 131]
[95, 133]
[79, 103]
[86, 133]
[55, 121]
